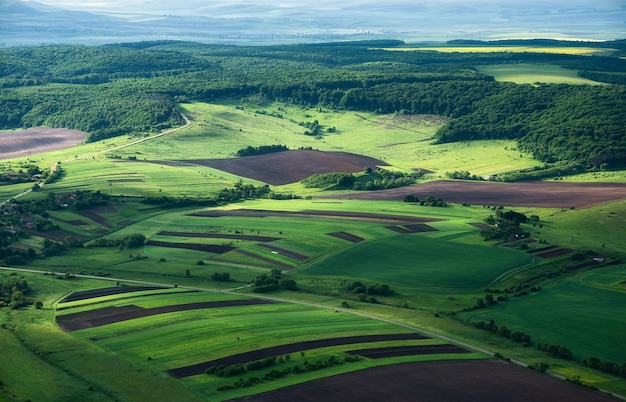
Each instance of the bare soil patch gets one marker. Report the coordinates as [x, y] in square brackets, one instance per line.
[110, 315]
[209, 248]
[263, 239]
[290, 166]
[37, 140]
[410, 350]
[286, 349]
[355, 216]
[347, 236]
[529, 194]
[94, 216]
[555, 253]
[437, 381]
[90, 294]
[481, 226]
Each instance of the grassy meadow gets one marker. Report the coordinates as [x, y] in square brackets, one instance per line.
[435, 275]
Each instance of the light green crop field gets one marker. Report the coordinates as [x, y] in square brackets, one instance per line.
[421, 261]
[524, 73]
[168, 341]
[433, 273]
[583, 311]
[404, 142]
[220, 130]
[601, 228]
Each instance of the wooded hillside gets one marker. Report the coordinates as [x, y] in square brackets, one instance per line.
[132, 89]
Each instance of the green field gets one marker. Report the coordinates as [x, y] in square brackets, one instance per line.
[534, 74]
[220, 130]
[421, 261]
[592, 325]
[173, 340]
[435, 275]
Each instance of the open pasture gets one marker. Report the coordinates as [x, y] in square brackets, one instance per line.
[218, 131]
[535, 73]
[583, 312]
[420, 261]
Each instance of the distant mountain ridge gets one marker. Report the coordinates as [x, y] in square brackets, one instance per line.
[270, 22]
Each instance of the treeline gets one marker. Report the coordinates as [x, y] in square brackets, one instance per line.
[368, 180]
[261, 150]
[13, 292]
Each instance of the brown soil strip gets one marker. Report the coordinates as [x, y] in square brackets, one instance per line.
[355, 216]
[527, 194]
[287, 253]
[412, 350]
[481, 226]
[420, 228]
[90, 294]
[582, 265]
[209, 248]
[56, 235]
[91, 214]
[539, 250]
[110, 315]
[436, 381]
[265, 239]
[286, 349]
[398, 229]
[37, 140]
[265, 259]
[556, 253]
[347, 236]
[290, 166]
[77, 222]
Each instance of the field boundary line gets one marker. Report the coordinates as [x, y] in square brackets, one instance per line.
[349, 311]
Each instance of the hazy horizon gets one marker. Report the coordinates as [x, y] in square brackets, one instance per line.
[269, 21]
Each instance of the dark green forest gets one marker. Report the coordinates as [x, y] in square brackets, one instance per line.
[133, 89]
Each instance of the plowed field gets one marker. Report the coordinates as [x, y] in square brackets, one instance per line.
[21, 143]
[525, 194]
[291, 166]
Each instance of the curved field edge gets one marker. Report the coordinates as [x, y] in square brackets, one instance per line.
[420, 261]
[437, 381]
[133, 338]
